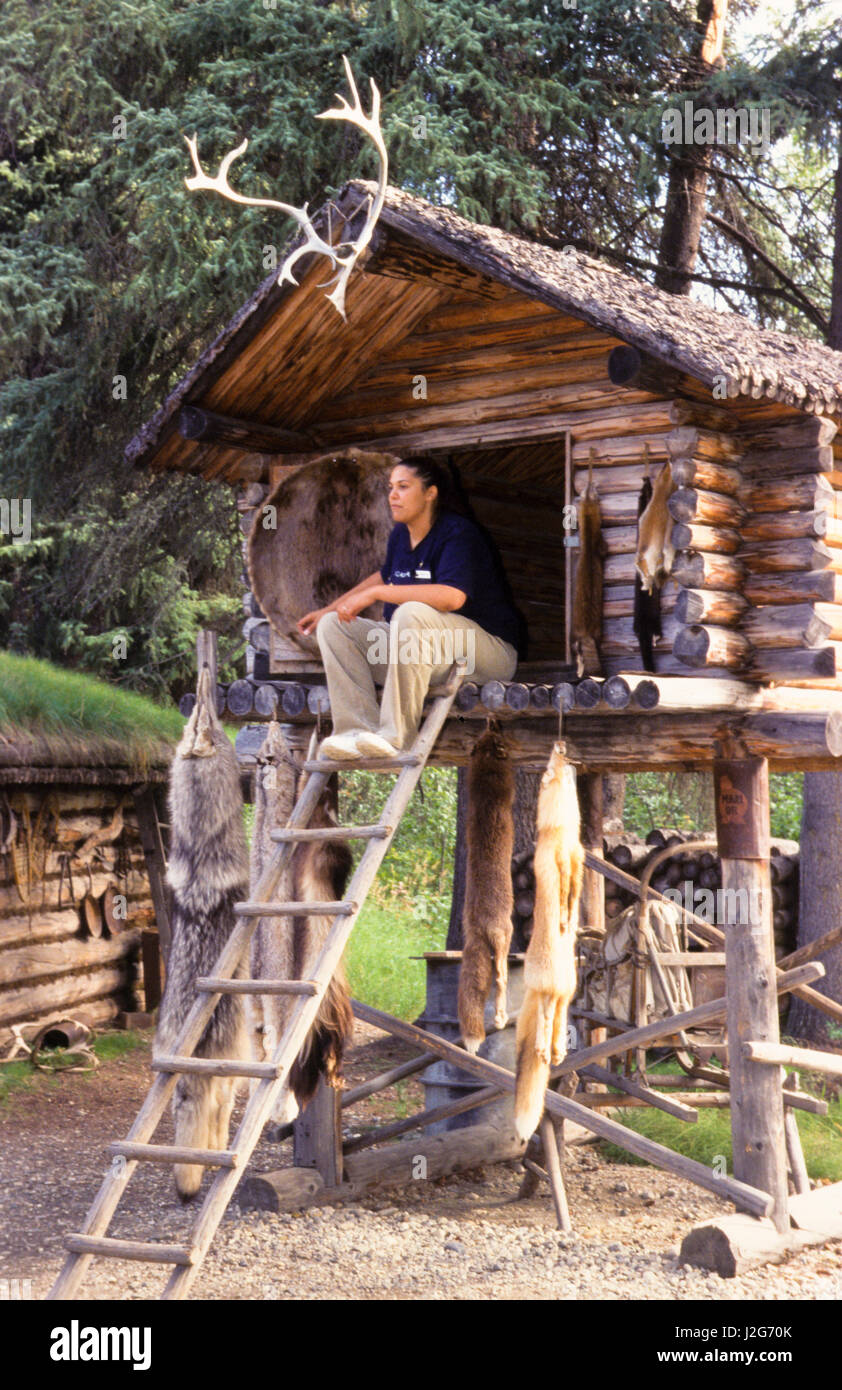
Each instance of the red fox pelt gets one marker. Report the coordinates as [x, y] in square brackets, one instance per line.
[550, 965]
[655, 551]
[287, 948]
[487, 915]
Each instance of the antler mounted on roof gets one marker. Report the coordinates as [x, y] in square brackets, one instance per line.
[344, 261]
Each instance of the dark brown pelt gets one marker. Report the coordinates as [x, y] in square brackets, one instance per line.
[487, 915]
[321, 872]
[587, 596]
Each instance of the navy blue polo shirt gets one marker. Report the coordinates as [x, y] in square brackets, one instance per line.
[454, 551]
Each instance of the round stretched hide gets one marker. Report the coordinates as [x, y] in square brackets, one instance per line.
[331, 524]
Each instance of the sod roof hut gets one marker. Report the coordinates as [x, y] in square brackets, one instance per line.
[83, 771]
[525, 364]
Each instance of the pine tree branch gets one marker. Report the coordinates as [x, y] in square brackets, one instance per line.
[748, 244]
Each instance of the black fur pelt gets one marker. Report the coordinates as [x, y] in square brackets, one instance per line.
[208, 874]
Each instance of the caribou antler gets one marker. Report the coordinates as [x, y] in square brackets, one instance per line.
[343, 261]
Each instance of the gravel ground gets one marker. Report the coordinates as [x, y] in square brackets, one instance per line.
[464, 1237]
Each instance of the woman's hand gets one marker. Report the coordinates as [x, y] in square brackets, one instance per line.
[310, 621]
[352, 604]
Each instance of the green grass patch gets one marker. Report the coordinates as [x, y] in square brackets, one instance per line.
[378, 963]
[709, 1140]
[46, 703]
[22, 1076]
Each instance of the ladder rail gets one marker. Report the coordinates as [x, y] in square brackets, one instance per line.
[155, 1103]
[303, 1016]
[304, 1012]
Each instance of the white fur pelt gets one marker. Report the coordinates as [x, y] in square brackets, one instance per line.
[287, 948]
[208, 874]
[550, 966]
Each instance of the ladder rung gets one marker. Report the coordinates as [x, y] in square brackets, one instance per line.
[129, 1249]
[207, 984]
[216, 1066]
[167, 1153]
[365, 764]
[338, 909]
[338, 832]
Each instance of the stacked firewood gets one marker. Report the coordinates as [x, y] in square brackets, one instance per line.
[698, 868]
[701, 869]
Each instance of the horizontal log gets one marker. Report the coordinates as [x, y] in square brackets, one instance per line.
[628, 366]
[702, 416]
[618, 635]
[799, 434]
[719, 607]
[778, 557]
[808, 1059]
[706, 474]
[685, 441]
[707, 508]
[820, 663]
[801, 492]
[771, 732]
[642, 741]
[254, 436]
[697, 569]
[812, 586]
[699, 646]
[239, 698]
[27, 1001]
[773, 463]
[50, 959]
[785, 625]
[774, 526]
[716, 540]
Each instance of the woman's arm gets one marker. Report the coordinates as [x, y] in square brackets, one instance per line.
[442, 597]
[307, 624]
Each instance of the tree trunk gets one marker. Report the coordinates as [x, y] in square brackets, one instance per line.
[821, 816]
[685, 207]
[820, 896]
[613, 802]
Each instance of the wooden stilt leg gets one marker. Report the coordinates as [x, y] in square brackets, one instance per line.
[794, 1151]
[757, 1112]
[553, 1168]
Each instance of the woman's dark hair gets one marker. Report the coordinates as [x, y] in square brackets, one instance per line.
[452, 497]
[445, 476]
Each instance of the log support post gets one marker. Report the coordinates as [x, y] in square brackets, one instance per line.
[317, 1135]
[741, 787]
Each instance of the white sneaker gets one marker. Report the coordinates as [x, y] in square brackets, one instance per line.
[339, 747]
[373, 746]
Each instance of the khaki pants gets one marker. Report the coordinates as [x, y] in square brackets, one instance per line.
[415, 650]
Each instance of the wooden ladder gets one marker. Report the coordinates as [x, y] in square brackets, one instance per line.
[187, 1258]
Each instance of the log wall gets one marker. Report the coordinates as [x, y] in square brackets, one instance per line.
[49, 962]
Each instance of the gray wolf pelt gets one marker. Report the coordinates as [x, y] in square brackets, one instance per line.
[287, 948]
[550, 965]
[208, 874]
[322, 528]
[487, 914]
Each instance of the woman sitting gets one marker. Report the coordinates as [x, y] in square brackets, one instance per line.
[445, 596]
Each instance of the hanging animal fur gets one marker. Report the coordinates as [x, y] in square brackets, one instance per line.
[287, 948]
[487, 914]
[655, 555]
[550, 965]
[587, 596]
[208, 874]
